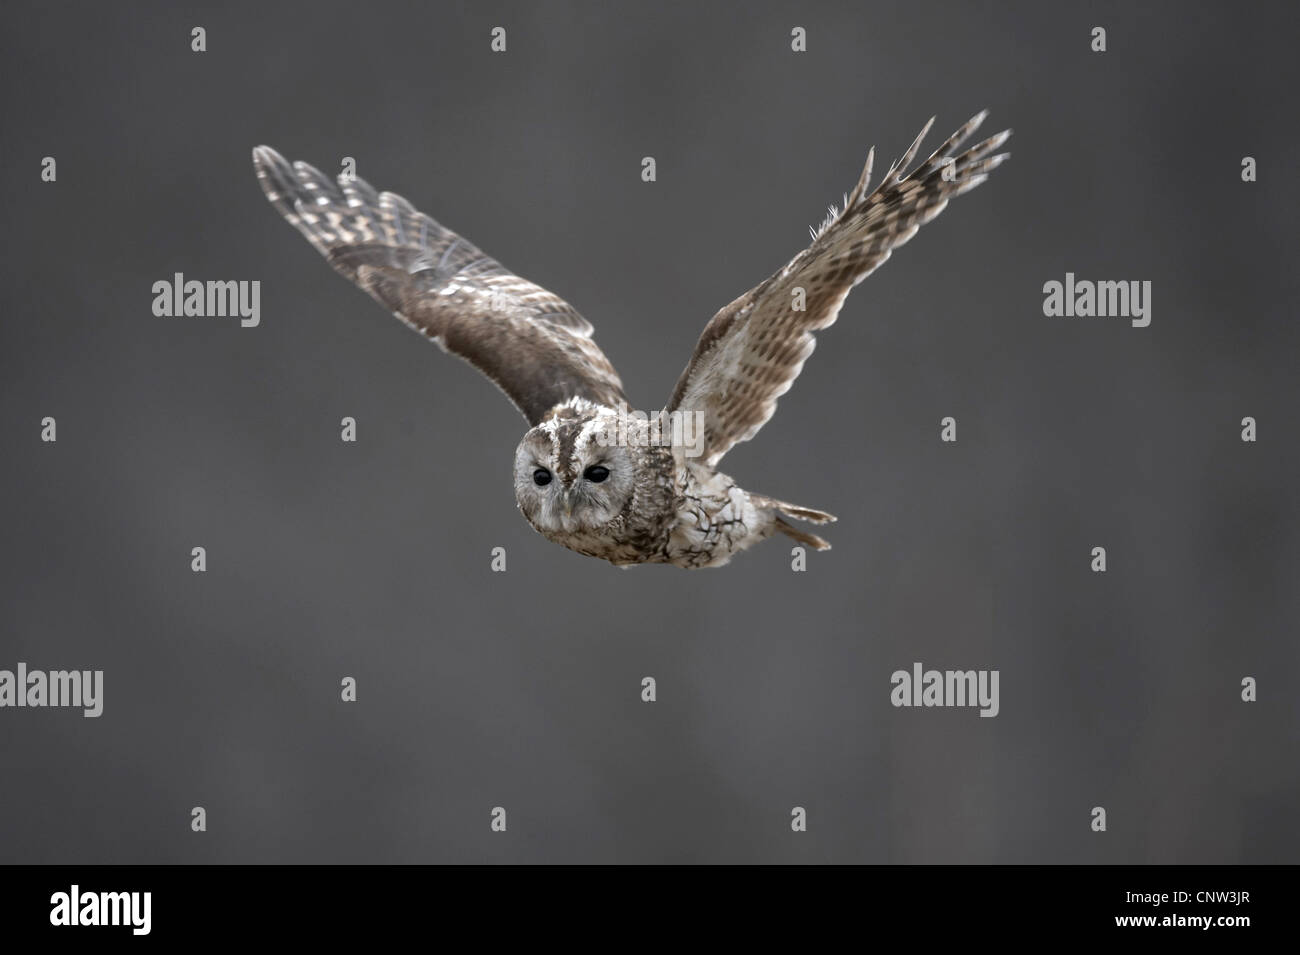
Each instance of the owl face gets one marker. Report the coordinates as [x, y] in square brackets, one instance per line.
[571, 476]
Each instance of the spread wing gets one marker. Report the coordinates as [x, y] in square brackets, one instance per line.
[751, 351]
[530, 342]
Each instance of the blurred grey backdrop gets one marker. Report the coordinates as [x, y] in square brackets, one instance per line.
[522, 689]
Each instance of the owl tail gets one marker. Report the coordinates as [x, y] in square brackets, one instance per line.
[799, 513]
[811, 540]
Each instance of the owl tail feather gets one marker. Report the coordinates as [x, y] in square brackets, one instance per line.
[811, 540]
[799, 513]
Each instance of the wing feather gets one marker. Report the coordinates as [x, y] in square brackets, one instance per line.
[531, 343]
[752, 350]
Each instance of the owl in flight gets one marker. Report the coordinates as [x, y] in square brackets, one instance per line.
[626, 487]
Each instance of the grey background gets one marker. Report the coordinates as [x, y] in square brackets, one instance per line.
[522, 689]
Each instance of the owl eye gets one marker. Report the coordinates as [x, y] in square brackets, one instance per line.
[541, 477]
[596, 473]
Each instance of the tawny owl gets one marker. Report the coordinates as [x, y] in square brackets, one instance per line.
[629, 488]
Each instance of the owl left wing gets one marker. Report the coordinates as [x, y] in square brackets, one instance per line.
[530, 342]
[751, 351]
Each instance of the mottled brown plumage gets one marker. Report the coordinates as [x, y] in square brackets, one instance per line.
[530, 342]
[751, 351]
[631, 498]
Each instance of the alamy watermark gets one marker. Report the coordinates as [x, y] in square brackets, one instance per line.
[73, 688]
[211, 299]
[637, 429]
[1084, 298]
[921, 687]
[76, 907]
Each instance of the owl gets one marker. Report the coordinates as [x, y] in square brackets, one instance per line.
[625, 486]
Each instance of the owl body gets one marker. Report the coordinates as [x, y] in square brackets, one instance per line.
[594, 481]
[587, 475]
[715, 518]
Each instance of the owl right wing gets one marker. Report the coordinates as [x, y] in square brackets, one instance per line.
[530, 342]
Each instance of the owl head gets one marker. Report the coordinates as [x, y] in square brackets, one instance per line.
[573, 474]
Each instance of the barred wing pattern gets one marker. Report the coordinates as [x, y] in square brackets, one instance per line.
[530, 342]
[751, 351]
